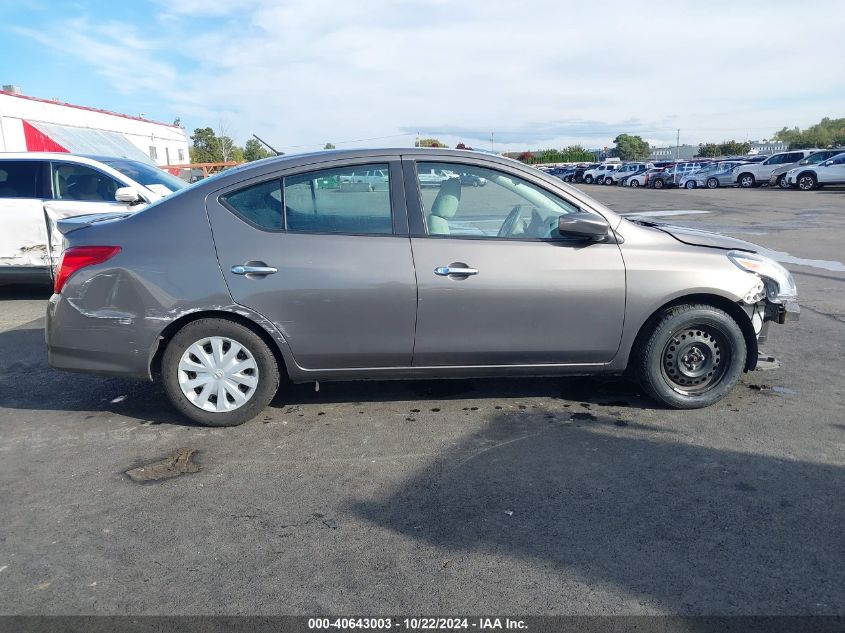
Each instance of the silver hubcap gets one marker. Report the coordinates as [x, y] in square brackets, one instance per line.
[806, 182]
[218, 374]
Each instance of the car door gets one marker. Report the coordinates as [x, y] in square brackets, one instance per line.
[76, 189]
[832, 171]
[497, 285]
[332, 263]
[23, 231]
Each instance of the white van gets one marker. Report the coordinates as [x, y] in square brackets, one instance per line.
[39, 188]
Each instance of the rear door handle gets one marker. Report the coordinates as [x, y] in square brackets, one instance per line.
[254, 270]
[445, 271]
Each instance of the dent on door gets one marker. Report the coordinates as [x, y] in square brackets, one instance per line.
[23, 239]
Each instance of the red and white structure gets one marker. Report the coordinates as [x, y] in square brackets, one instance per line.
[30, 124]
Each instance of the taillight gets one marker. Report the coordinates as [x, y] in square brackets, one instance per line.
[78, 257]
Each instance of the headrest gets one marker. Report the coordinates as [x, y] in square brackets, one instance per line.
[445, 205]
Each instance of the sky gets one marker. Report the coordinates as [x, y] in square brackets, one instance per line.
[381, 72]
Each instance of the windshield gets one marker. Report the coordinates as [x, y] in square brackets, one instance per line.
[146, 174]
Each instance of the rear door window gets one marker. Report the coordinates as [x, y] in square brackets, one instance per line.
[21, 179]
[330, 201]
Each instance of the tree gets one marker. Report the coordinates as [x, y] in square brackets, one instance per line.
[462, 146]
[210, 148]
[429, 142]
[206, 146]
[826, 133]
[254, 150]
[732, 148]
[631, 147]
[526, 157]
[709, 150]
[329, 146]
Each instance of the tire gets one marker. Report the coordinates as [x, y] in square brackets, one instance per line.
[690, 184]
[712, 183]
[807, 181]
[634, 183]
[692, 358]
[746, 180]
[781, 182]
[254, 353]
[599, 180]
[474, 183]
[659, 184]
[588, 180]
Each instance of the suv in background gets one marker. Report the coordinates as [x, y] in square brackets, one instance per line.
[777, 179]
[672, 175]
[578, 176]
[756, 174]
[629, 169]
[37, 189]
[809, 177]
[597, 174]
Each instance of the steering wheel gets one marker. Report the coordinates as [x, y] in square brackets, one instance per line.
[509, 224]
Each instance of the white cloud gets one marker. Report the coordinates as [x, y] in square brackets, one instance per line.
[540, 73]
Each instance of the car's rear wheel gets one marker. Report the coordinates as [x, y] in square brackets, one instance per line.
[807, 182]
[633, 183]
[219, 373]
[690, 184]
[781, 182]
[658, 184]
[712, 183]
[746, 180]
[692, 358]
[588, 179]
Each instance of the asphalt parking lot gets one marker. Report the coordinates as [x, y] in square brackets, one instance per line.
[486, 496]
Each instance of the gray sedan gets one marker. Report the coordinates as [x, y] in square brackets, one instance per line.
[282, 268]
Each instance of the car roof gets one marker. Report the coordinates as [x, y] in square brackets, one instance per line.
[63, 156]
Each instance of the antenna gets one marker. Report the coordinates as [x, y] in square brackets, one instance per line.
[265, 143]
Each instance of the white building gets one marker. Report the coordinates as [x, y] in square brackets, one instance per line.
[38, 125]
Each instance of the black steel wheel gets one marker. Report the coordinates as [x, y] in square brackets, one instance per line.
[692, 358]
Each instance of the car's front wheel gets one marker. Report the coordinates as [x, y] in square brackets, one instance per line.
[692, 358]
[634, 183]
[658, 184]
[588, 179]
[807, 182]
[690, 184]
[746, 181]
[712, 183]
[218, 372]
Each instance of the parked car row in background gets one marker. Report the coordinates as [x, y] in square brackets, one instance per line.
[804, 169]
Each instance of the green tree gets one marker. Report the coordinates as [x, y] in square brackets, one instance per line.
[732, 148]
[329, 146]
[709, 150]
[209, 148]
[254, 150]
[631, 147]
[429, 142]
[826, 133]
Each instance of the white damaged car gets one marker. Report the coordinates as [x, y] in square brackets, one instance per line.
[39, 188]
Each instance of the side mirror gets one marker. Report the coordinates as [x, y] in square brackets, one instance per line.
[128, 195]
[584, 226]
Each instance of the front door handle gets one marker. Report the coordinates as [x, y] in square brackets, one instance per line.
[458, 269]
[254, 270]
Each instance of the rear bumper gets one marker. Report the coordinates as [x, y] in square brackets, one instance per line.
[102, 344]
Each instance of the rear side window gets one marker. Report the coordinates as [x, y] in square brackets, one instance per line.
[259, 204]
[339, 200]
[20, 179]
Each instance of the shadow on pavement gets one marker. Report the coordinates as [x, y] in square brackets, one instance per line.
[32, 384]
[690, 529]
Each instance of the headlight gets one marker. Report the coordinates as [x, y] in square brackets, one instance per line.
[780, 286]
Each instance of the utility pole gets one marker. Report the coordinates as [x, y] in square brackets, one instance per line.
[491, 141]
[678, 146]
